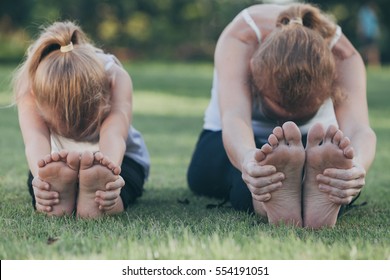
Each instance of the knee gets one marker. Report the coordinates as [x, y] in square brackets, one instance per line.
[194, 181]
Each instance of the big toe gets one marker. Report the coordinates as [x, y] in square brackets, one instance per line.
[315, 135]
[292, 133]
[73, 160]
[86, 160]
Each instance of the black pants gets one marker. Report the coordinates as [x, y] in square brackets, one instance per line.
[132, 173]
[211, 173]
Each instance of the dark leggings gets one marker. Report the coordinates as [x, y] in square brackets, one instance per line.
[211, 173]
[132, 173]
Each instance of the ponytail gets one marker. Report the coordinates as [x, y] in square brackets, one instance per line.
[309, 16]
[52, 39]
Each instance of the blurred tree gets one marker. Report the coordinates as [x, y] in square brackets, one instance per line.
[163, 29]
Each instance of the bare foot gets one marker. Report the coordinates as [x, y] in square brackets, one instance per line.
[285, 151]
[60, 170]
[95, 174]
[324, 150]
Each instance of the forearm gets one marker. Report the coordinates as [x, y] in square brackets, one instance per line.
[112, 145]
[35, 150]
[115, 128]
[238, 140]
[113, 136]
[363, 141]
[36, 135]
[352, 111]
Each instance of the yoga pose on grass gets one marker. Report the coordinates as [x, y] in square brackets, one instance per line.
[75, 111]
[286, 132]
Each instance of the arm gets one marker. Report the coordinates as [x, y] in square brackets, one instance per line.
[235, 98]
[232, 59]
[114, 130]
[352, 116]
[36, 135]
[352, 113]
[36, 138]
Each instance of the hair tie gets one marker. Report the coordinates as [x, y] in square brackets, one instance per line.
[296, 20]
[67, 48]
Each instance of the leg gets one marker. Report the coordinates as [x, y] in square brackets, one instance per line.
[211, 173]
[323, 150]
[134, 176]
[94, 175]
[285, 151]
[209, 167]
[60, 170]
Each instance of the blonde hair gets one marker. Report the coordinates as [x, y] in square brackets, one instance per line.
[295, 61]
[72, 85]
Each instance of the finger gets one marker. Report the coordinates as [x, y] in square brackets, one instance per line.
[106, 208]
[264, 190]
[345, 174]
[255, 170]
[43, 194]
[38, 183]
[42, 208]
[106, 203]
[341, 184]
[262, 198]
[341, 201]
[117, 184]
[107, 195]
[264, 181]
[47, 202]
[339, 193]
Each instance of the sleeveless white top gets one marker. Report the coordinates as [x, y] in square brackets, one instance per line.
[135, 145]
[262, 126]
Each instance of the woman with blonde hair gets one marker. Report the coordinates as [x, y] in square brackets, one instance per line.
[286, 133]
[75, 112]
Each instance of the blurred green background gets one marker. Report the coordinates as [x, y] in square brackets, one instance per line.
[181, 30]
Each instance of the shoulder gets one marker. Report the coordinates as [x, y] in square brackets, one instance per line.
[108, 60]
[343, 48]
[264, 17]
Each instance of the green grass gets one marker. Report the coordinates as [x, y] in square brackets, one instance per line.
[169, 103]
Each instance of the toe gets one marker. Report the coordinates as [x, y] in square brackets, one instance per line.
[260, 155]
[278, 133]
[73, 160]
[87, 159]
[273, 140]
[330, 133]
[338, 136]
[292, 133]
[315, 135]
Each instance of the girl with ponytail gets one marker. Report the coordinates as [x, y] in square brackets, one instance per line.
[75, 105]
[286, 132]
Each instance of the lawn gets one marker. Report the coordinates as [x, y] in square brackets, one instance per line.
[168, 221]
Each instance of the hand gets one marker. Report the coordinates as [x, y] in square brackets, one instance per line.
[109, 198]
[45, 199]
[342, 185]
[261, 180]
